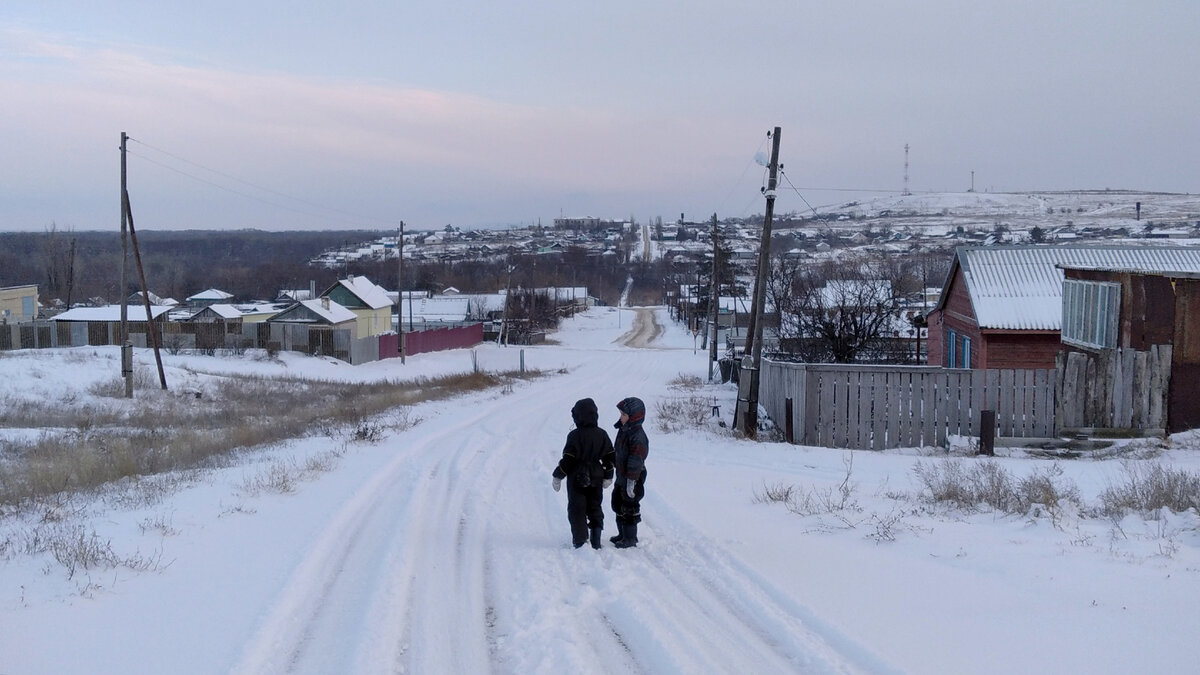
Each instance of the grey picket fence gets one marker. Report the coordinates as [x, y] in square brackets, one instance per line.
[879, 407]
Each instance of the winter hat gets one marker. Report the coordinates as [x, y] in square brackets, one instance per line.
[585, 413]
[633, 407]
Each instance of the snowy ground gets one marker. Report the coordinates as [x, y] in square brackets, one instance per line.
[442, 548]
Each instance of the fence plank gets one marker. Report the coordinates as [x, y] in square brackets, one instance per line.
[880, 433]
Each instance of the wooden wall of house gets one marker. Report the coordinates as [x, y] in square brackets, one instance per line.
[1184, 396]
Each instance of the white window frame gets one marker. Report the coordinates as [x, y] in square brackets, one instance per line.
[1091, 312]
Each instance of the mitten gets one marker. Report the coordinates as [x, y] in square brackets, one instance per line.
[557, 483]
[605, 485]
[629, 485]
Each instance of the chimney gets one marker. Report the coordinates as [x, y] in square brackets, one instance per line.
[325, 302]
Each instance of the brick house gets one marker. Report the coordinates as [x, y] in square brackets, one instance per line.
[1001, 306]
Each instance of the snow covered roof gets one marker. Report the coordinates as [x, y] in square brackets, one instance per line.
[1020, 287]
[436, 309]
[329, 310]
[222, 310]
[731, 304]
[372, 296]
[210, 294]
[843, 292]
[111, 313]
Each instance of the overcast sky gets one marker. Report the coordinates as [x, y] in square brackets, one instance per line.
[320, 115]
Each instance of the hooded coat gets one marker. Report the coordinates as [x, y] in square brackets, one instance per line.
[587, 457]
[632, 447]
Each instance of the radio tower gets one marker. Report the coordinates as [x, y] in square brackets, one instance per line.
[906, 192]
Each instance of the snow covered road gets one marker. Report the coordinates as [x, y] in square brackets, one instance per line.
[454, 557]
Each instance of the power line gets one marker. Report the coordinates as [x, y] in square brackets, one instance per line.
[789, 182]
[356, 216]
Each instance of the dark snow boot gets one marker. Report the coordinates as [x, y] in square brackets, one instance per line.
[596, 537]
[629, 538]
[620, 533]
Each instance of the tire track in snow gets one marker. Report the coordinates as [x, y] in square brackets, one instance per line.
[361, 571]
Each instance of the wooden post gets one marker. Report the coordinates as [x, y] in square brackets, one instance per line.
[400, 292]
[151, 328]
[987, 432]
[788, 425]
[714, 297]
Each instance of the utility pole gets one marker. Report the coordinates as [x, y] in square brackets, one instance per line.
[747, 404]
[151, 328]
[123, 338]
[400, 292]
[714, 299]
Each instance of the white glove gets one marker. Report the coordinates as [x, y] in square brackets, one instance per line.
[557, 484]
[606, 484]
[629, 486]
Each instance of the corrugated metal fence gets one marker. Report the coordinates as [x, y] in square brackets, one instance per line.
[878, 407]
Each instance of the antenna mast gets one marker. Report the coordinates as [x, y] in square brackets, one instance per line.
[906, 192]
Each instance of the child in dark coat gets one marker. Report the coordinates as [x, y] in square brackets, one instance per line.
[632, 447]
[587, 464]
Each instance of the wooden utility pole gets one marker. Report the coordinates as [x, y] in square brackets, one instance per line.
[151, 328]
[714, 299]
[747, 413]
[123, 338]
[400, 292]
[71, 273]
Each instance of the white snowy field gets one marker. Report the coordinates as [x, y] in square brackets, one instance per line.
[442, 548]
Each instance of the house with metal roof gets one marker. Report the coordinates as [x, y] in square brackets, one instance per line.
[370, 303]
[319, 312]
[1001, 306]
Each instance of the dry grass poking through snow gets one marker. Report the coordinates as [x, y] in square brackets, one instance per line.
[85, 445]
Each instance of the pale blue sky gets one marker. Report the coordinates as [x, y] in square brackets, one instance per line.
[485, 113]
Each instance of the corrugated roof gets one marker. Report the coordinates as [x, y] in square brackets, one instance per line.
[1020, 287]
[110, 313]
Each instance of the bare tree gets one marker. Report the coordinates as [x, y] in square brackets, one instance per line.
[839, 311]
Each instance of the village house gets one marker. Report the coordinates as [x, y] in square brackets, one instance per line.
[18, 304]
[321, 312]
[1001, 306]
[211, 296]
[368, 302]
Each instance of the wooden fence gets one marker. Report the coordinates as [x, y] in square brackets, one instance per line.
[878, 407]
[1115, 389]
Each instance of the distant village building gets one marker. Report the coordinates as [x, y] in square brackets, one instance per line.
[211, 296]
[18, 304]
